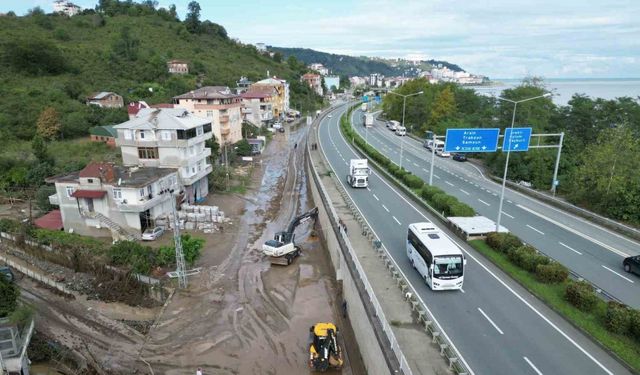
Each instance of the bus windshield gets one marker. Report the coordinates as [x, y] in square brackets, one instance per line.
[447, 267]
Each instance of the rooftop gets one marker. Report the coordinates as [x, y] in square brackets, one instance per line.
[208, 92]
[163, 118]
[101, 95]
[128, 177]
[104, 131]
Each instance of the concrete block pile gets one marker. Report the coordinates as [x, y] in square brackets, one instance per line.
[205, 218]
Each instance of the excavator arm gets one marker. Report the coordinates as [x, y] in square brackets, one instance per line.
[311, 214]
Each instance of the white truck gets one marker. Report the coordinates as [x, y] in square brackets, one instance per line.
[368, 120]
[363, 107]
[358, 173]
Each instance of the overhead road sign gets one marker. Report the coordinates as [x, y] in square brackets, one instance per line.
[472, 140]
[365, 99]
[516, 139]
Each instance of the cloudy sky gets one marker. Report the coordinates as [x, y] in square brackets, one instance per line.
[498, 38]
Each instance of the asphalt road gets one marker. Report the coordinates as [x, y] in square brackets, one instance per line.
[593, 252]
[495, 324]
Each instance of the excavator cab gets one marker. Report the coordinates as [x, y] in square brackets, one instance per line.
[284, 237]
[324, 350]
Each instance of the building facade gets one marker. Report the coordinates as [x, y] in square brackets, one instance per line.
[331, 81]
[106, 99]
[220, 106]
[105, 134]
[169, 138]
[281, 100]
[314, 81]
[178, 67]
[66, 7]
[257, 108]
[319, 68]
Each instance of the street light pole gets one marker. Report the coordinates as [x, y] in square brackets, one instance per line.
[404, 105]
[507, 142]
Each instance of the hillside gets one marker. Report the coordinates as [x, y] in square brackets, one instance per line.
[54, 60]
[362, 65]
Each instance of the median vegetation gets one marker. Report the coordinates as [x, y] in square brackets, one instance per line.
[446, 204]
[613, 325]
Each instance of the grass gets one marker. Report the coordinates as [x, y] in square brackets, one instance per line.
[591, 323]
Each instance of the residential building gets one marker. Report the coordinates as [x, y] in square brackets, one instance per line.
[314, 81]
[331, 81]
[104, 199]
[257, 107]
[242, 85]
[66, 7]
[281, 102]
[220, 106]
[134, 107]
[261, 47]
[14, 340]
[319, 68]
[169, 138]
[178, 67]
[357, 81]
[106, 134]
[106, 99]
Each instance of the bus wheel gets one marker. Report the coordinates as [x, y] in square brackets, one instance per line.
[413, 265]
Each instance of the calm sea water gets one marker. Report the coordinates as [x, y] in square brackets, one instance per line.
[563, 89]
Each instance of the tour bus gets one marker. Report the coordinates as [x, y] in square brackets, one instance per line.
[437, 258]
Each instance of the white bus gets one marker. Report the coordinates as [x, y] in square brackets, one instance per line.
[439, 260]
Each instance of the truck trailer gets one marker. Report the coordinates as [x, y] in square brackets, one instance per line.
[358, 173]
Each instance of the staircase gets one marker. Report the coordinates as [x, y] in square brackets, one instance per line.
[115, 227]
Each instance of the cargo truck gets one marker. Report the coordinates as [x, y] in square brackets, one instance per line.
[368, 120]
[358, 173]
[364, 107]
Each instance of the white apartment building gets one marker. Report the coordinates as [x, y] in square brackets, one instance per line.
[319, 68]
[66, 7]
[220, 106]
[169, 138]
[257, 107]
[104, 199]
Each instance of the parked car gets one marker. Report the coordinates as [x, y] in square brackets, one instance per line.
[277, 126]
[152, 233]
[632, 264]
[459, 157]
[6, 272]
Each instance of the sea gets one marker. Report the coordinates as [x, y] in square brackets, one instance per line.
[564, 89]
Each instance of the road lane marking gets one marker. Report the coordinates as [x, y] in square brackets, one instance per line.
[508, 201]
[462, 290]
[385, 208]
[424, 170]
[532, 366]
[629, 280]
[491, 321]
[539, 231]
[621, 253]
[481, 201]
[436, 176]
[464, 192]
[448, 183]
[376, 197]
[368, 188]
[506, 214]
[569, 247]
[416, 164]
[399, 223]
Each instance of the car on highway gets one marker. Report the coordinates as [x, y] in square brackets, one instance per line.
[7, 273]
[401, 130]
[152, 233]
[442, 153]
[632, 264]
[329, 115]
[459, 157]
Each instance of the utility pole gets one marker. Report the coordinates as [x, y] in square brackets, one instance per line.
[181, 269]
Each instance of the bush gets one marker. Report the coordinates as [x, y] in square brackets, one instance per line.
[412, 181]
[9, 226]
[461, 210]
[634, 324]
[618, 318]
[503, 242]
[140, 259]
[553, 272]
[580, 294]
[528, 258]
[9, 294]
[428, 191]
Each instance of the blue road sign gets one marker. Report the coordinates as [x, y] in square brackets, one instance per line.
[472, 140]
[365, 99]
[519, 139]
[378, 99]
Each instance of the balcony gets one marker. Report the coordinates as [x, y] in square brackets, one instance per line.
[190, 180]
[225, 131]
[192, 159]
[224, 118]
[53, 200]
[137, 142]
[143, 204]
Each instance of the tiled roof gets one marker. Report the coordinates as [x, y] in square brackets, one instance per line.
[51, 221]
[163, 118]
[101, 170]
[88, 194]
[208, 92]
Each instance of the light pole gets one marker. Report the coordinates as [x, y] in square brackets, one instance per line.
[404, 105]
[507, 142]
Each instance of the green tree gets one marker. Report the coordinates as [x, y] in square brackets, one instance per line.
[9, 294]
[214, 146]
[191, 247]
[48, 124]
[172, 11]
[443, 109]
[242, 147]
[192, 20]
[126, 45]
[40, 150]
[34, 57]
[277, 57]
[42, 198]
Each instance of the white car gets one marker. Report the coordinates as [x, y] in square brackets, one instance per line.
[152, 233]
[442, 153]
[330, 115]
[277, 126]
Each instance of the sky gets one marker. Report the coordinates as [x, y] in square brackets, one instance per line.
[496, 38]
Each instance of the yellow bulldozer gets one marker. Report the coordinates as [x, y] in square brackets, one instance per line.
[324, 350]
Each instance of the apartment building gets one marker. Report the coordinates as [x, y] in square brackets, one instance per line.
[281, 100]
[104, 199]
[314, 81]
[220, 106]
[169, 138]
[257, 107]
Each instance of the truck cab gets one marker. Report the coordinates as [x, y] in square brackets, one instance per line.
[358, 173]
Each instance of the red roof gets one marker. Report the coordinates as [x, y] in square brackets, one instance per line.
[103, 171]
[134, 107]
[88, 194]
[52, 221]
[162, 105]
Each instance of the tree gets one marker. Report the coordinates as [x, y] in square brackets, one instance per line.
[443, 108]
[126, 46]
[214, 146]
[34, 57]
[191, 247]
[192, 20]
[277, 57]
[242, 147]
[9, 294]
[172, 11]
[39, 148]
[48, 125]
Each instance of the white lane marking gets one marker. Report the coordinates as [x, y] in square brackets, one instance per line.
[464, 192]
[539, 231]
[629, 280]
[481, 201]
[376, 197]
[385, 208]
[509, 201]
[495, 194]
[368, 188]
[436, 176]
[424, 170]
[500, 281]
[532, 366]
[462, 290]
[416, 164]
[570, 248]
[449, 183]
[621, 253]
[506, 214]
[399, 223]
[491, 321]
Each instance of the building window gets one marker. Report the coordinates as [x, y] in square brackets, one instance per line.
[148, 152]
[141, 134]
[166, 135]
[70, 190]
[207, 128]
[209, 113]
[117, 194]
[128, 134]
[187, 134]
[141, 191]
[150, 189]
[199, 131]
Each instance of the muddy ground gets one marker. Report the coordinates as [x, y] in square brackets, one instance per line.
[240, 315]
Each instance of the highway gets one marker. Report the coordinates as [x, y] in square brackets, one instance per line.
[593, 252]
[495, 324]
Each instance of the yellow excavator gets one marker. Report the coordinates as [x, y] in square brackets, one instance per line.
[324, 350]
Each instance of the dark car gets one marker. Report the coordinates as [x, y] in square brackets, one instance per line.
[632, 264]
[459, 157]
[6, 272]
